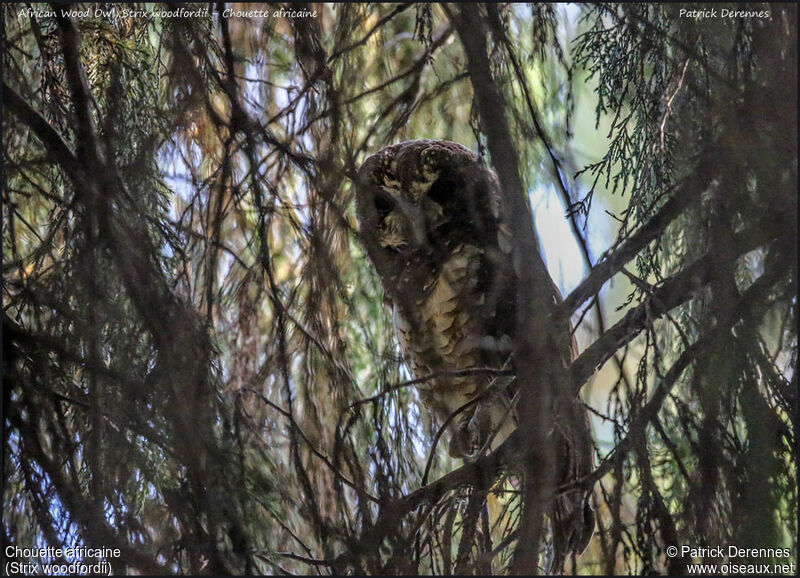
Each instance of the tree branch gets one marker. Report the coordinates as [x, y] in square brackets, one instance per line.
[752, 303]
[611, 265]
[673, 292]
[536, 349]
[57, 148]
[483, 470]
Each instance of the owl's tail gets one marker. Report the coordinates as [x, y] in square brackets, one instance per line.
[573, 526]
[571, 515]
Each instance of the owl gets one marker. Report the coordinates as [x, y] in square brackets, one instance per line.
[431, 220]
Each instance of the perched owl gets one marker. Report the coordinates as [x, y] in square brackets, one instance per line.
[430, 216]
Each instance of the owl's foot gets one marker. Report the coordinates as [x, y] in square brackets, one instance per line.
[491, 422]
[471, 435]
[460, 445]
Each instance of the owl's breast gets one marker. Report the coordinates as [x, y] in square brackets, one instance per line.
[450, 310]
[447, 331]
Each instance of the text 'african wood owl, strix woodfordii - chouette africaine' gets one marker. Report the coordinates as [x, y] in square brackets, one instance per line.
[431, 220]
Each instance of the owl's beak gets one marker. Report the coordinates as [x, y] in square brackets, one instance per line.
[416, 219]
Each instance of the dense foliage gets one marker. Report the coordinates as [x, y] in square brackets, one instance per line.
[198, 369]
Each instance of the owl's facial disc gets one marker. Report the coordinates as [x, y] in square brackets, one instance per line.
[441, 202]
[384, 204]
[401, 223]
[393, 232]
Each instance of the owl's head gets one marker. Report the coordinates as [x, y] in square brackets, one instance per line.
[415, 198]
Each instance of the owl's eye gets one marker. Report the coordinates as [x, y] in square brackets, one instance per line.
[443, 190]
[384, 204]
